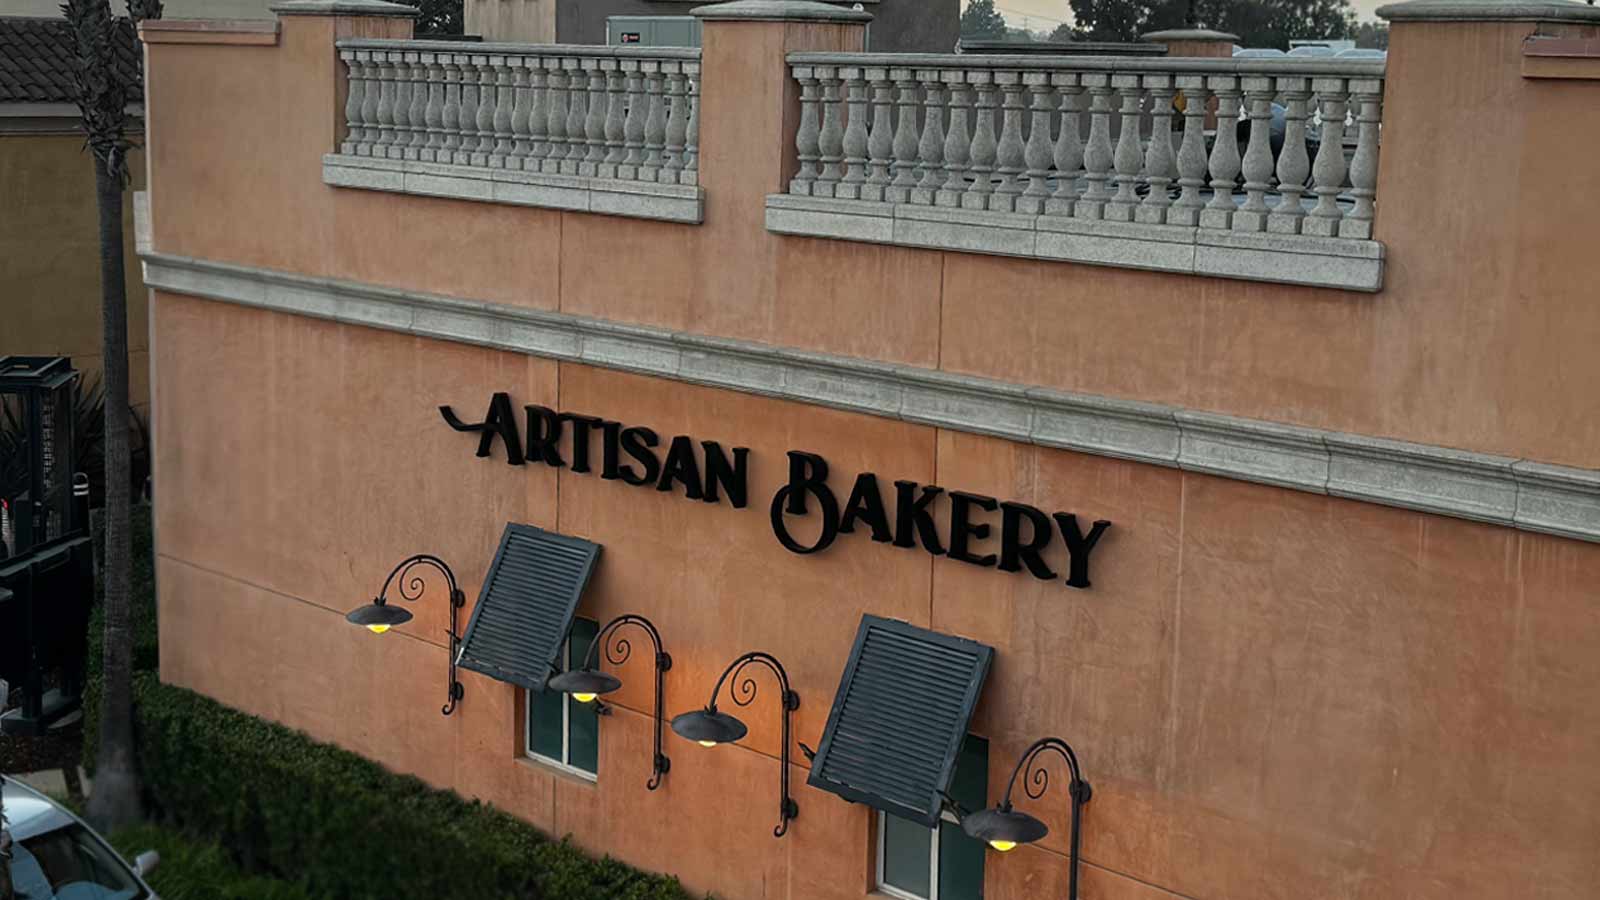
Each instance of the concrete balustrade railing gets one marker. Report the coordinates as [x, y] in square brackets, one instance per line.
[1195, 148]
[585, 119]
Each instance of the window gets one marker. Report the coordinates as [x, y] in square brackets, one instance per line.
[561, 731]
[918, 863]
[70, 862]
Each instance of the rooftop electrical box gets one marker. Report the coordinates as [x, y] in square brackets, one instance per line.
[653, 31]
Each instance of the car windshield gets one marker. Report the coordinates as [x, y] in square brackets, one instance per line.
[71, 864]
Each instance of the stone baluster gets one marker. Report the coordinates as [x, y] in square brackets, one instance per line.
[1160, 164]
[677, 122]
[1329, 170]
[577, 112]
[450, 111]
[521, 112]
[384, 114]
[355, 95]
[1224, 163]
[633, 125]
[594, 125]
[555, 116]
[1293, 162]
[417, 115]
[904, 144]
[854, 143]
[806, 134]
[930, 148]
[691, 136]
[1067, 154]
[983, 143]
[1258, 93]
[469, 110]
[830, 140]
[487, 103]
[1191, 153]
[1097, 156]
[1128, 157]
[505, 102]
[957, 140]
[433, 114]
[1038, 152]
[401, 113]
[1010, 156]
[616, 119]
[1368, 94]
[538, 114]
[655, 124]
[880, 138]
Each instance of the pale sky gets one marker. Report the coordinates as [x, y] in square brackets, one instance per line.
[1045, 15]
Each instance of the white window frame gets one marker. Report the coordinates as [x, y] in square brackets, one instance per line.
[883, 887]
[561, 765]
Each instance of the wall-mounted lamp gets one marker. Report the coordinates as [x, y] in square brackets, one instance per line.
[588, 683]
[709, 727]
[1003, 828]
[379, 616]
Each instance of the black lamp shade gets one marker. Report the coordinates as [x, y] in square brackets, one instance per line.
[379, 617]
[709, 726]
[584, 681]
[998, 826]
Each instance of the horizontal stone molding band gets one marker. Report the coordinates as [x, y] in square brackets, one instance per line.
[1519, 493]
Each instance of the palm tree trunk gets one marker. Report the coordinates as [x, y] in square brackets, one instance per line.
[114, 800]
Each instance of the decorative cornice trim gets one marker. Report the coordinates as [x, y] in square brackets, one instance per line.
[1523, 494]
[1490, 11]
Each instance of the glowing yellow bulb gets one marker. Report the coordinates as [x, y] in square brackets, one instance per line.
[584, 698]
[378, 629]
[1003, 846]
[706, 743]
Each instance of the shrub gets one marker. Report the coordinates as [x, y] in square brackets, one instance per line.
[338, 825]
[198, 869]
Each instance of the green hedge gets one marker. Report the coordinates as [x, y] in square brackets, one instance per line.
[338, 825]
[198, 869]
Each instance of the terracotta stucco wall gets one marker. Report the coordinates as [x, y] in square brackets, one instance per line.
[1479, 340]
[1275, 694]
[50, 257]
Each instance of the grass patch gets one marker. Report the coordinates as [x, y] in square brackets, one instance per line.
[198, 870]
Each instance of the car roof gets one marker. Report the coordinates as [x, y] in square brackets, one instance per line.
[30, 813]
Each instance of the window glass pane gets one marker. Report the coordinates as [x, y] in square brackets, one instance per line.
[71, 863]
[544, 723]
[583, 746]
[960, 864]
[970, 786]
[907, 853]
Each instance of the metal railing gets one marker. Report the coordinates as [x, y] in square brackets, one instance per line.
[1286, 146]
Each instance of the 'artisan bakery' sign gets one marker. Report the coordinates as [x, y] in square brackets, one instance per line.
[708, 472]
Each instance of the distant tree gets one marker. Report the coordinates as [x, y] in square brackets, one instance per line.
[1372, 35]
[1258, 23]
[980, 20]
[438, 16]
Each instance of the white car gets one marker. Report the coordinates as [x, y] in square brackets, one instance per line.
[54, 856]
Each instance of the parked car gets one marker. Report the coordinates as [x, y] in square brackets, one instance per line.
[54, 856]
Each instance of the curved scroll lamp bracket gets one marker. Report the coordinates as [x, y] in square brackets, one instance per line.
[588, 683]
[1003, 827]
[379, 615]
[710, 726]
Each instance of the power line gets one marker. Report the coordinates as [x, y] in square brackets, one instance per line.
[1028, 15]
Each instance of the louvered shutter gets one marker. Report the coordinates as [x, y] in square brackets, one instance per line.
[526, 605]
[899, 718]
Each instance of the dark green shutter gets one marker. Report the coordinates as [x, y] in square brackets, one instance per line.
[899, 718]
[526, 605]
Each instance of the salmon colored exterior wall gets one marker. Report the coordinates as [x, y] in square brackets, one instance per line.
[1275, 694]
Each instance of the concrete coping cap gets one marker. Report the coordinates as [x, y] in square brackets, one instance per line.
[1490, 11]
[343, 8]
[1190, 34]
[779, 11]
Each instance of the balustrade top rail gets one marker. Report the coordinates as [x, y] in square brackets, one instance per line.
[1355, 67]
[1163, 145]
[513, 49]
